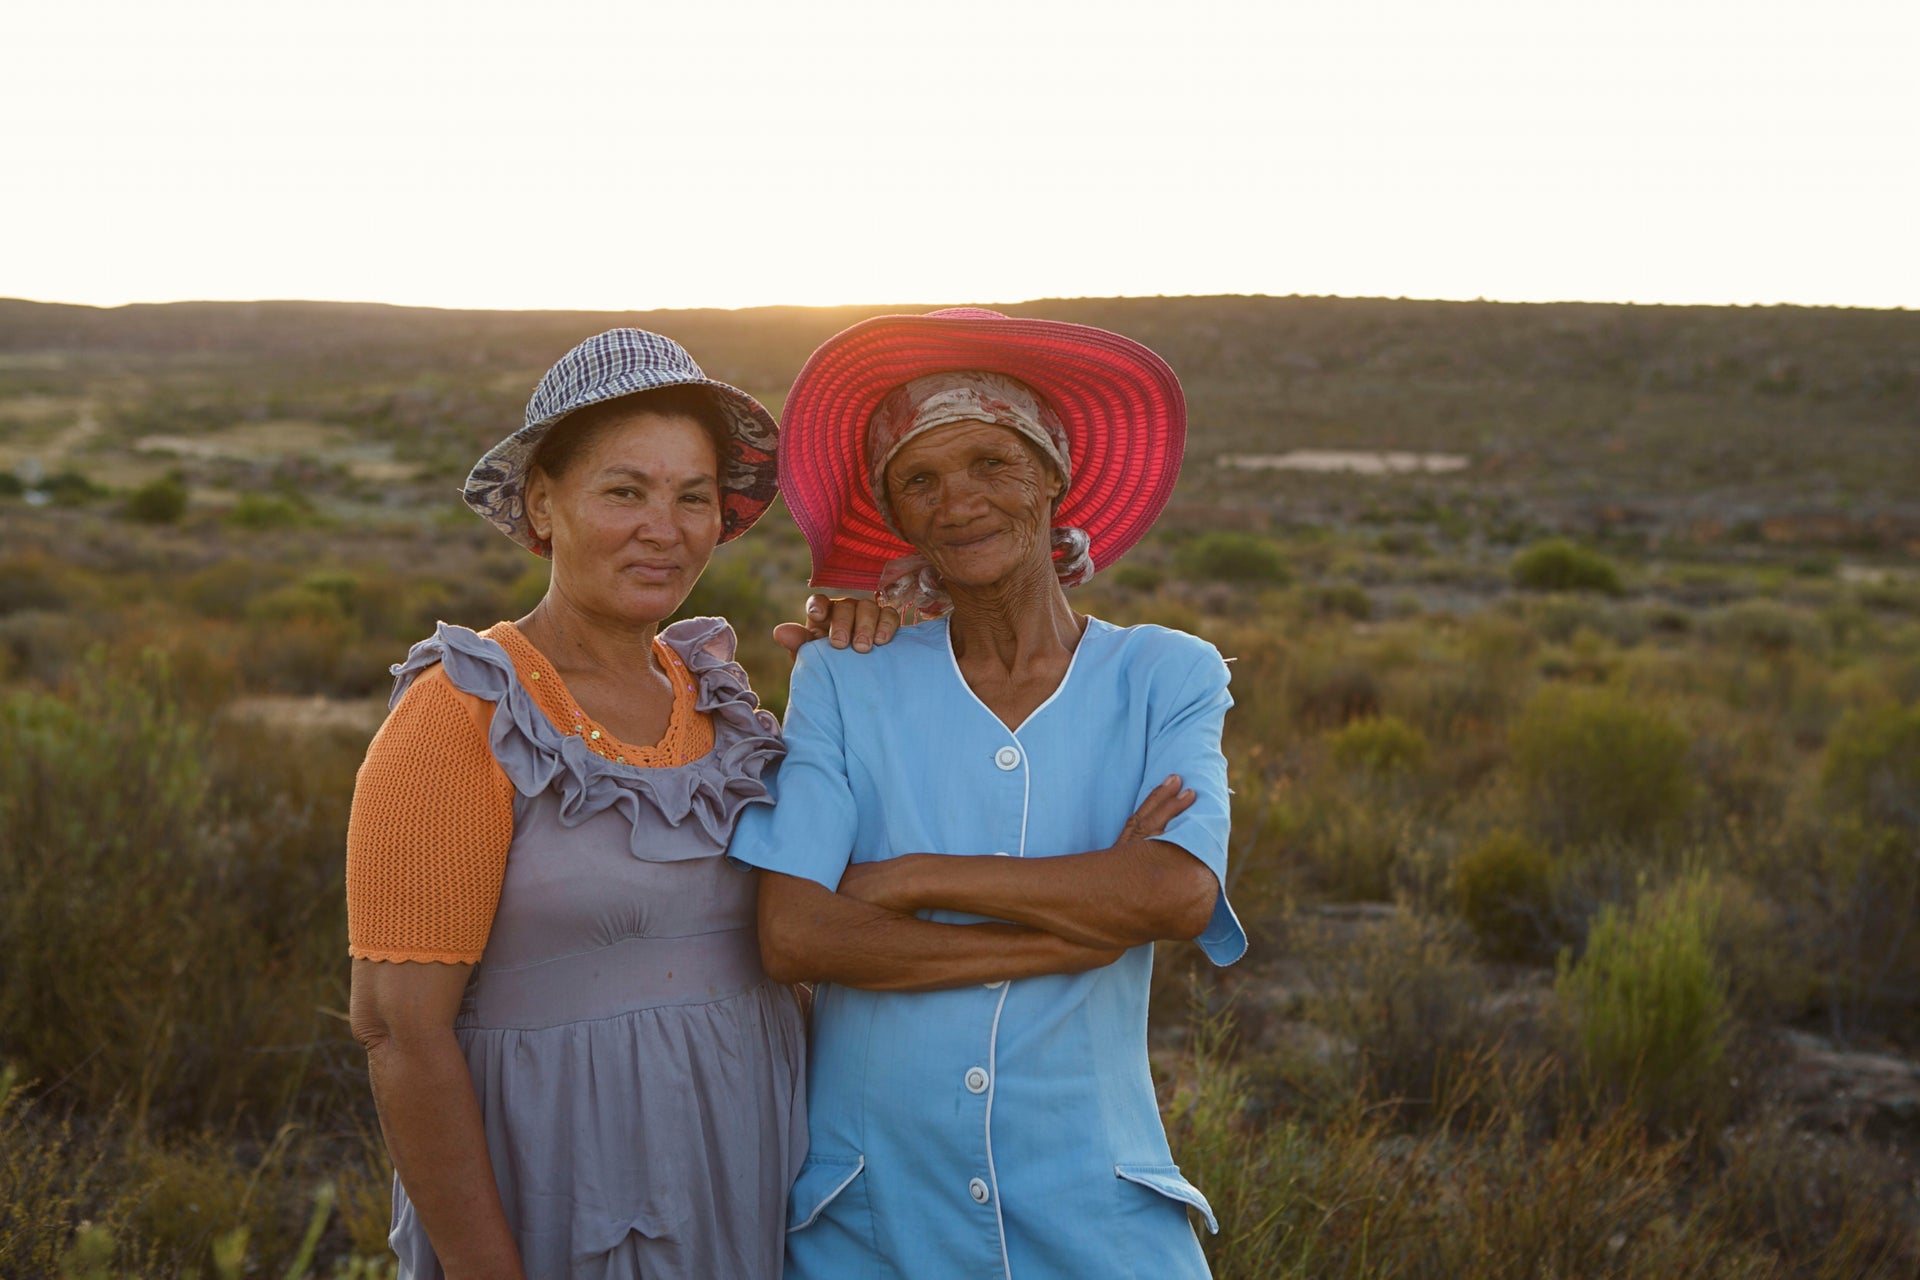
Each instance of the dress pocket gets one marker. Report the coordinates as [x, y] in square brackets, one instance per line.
[1166, 1180]
[821, 1180]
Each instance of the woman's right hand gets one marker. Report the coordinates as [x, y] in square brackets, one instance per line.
[840, 621]
[1162, 805]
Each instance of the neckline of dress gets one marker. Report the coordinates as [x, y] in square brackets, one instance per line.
[661, 754]
[1073, 661]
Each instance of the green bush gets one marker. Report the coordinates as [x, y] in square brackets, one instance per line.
[257, 511]
[1339, 600]
[10, 486]
[1560, 565]
[1379, 745]
[1243, 558]
[732, 589]
[1594, 765]
[1136, 577]
[1649, 1007]
[161, 501]
[1503, 889]
[71, 488]
[1872, 766]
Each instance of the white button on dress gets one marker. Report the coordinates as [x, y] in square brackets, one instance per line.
[976, 1080]
[978, 1190]
[1007, 757]
[996, 984]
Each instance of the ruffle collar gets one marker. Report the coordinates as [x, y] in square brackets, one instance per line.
[536, 756]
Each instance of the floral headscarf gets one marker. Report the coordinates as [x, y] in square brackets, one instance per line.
[934, 401]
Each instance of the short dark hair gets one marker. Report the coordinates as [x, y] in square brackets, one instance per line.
[574, 434]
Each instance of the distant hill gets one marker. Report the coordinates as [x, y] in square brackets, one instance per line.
[1784, 407]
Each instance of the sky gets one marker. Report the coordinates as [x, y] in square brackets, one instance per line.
[629, 156]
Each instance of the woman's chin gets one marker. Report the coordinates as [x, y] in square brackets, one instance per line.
[646, 605]
[981, 572]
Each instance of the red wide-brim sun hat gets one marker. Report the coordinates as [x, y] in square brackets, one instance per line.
[1122, 407]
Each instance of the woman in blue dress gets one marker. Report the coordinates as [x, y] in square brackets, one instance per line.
[956, 855]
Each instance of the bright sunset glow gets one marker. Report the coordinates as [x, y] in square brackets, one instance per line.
[583, 154]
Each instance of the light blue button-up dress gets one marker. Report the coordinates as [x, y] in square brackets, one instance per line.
[1009, 1129]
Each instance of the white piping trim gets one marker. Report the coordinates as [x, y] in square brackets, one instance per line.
[1072, 661]
[1026, 804]
[831, 1196]
[993, 1085]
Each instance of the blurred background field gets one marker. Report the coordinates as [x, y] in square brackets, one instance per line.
[1576, 757]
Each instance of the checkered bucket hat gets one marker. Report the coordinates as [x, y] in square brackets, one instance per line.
[617, 363]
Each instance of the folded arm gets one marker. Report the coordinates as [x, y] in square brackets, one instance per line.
[808, 933]
[1136, 891]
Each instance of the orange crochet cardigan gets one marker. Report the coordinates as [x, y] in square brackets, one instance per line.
[432, 814]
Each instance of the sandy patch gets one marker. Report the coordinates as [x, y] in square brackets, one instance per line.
[1361, 462]
[251, 441]
[309, 715]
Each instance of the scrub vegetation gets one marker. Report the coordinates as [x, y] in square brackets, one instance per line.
[1577, 791]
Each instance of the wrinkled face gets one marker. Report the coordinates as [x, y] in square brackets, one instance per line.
[975, 499]
[634, 519]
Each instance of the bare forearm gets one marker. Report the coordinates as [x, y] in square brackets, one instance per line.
[433, 1128]
[808, 933]
[1138, 891]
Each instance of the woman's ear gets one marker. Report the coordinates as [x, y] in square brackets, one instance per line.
[540, 505]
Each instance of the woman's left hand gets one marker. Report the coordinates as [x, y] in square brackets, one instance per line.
[841, 621]
[883, 884]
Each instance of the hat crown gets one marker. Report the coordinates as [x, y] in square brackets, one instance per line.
[615, 363]
[966, 313]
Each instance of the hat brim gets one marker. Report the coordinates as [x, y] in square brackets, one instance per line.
[1124, 413]
[496, 487]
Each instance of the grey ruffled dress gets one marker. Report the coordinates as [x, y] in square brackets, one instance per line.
[640, 1078]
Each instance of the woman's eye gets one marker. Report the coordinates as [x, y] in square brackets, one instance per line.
[624, 491]
[698, 499]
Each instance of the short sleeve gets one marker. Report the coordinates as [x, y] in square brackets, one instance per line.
[1186, 740]
[809, 829]
[428, 834]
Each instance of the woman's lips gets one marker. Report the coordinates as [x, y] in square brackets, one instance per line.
[652, 571]
[964, 544]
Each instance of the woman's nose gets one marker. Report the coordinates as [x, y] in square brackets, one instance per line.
[958, 495]
[656, 522]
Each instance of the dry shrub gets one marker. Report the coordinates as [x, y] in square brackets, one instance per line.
[1595, 765]
[173, 932]
[1403, 994]
[1825, 1203]
[1356, 1198]
[1503, 889]
[38, 645]
[1329, 685]
[1380, 745]
[1354, 846]
[1872, 767]
[48, 1175]
[34, 580]
[1765, 627]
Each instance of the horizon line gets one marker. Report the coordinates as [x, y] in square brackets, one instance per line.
[911, 306]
